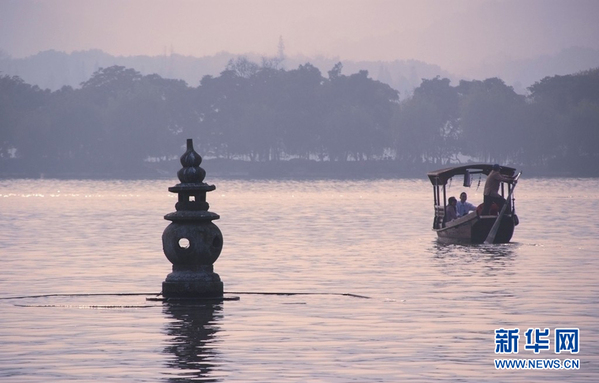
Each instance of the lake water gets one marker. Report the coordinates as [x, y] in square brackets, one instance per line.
[70, 249]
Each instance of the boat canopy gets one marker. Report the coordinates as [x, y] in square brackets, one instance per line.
[441, 176]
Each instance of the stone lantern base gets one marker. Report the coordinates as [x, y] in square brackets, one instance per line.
[192, 282]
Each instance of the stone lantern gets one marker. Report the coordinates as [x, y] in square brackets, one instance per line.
[191, 242]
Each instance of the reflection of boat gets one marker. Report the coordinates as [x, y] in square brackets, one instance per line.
[473, 227]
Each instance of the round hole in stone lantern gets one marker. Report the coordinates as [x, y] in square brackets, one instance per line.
[204, 243]
[184, 243]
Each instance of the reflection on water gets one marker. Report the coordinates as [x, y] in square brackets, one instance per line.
[483, 258]
[431, 315]
[441, 249]
[192, 347]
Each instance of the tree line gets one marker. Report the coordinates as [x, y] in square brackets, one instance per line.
[120, 120]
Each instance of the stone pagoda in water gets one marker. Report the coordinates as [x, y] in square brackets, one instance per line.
[192, 243]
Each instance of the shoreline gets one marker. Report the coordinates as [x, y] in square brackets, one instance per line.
[278, 170]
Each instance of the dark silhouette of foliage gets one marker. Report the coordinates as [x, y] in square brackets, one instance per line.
[120, 122]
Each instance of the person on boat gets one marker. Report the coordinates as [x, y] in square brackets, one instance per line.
[463, 207]
[450, 211]
[491, 194]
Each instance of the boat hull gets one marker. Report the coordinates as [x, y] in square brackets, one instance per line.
[475, 229]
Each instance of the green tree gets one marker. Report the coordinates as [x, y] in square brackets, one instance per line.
[569, 104]
[18, 103]
[360, 111]
[302, 108]
[218, 103]
[491, 119]
[426, 125]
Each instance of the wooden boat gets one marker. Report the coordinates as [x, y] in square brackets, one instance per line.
[473, 227]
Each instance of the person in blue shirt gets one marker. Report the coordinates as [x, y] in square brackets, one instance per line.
[464, 207]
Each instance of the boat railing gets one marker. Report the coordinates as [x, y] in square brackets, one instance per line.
[439, 215]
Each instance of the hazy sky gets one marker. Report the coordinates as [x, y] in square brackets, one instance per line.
[450, 33]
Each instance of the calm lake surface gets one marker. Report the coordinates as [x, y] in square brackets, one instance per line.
[431, 310]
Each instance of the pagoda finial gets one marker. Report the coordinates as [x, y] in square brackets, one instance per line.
[191, 173]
